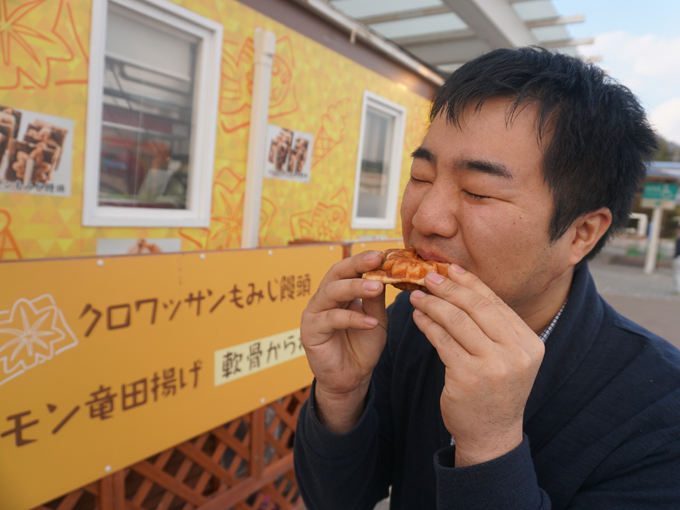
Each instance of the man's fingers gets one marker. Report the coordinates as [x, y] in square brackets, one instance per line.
[472, 282]
[470, 304]
[375, 306]
[335, 293]
[458, 324]
[353, 267]
[508, 327]
[449, 350]
[356, 306]
[326, 323]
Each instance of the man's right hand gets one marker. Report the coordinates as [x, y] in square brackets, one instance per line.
[344, 329]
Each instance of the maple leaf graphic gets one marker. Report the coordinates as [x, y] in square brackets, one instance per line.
[34, 332]
[28, 41]
[237, 81]
[226, 217]
[27, 337]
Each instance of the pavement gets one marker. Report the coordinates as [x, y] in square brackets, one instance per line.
[646, 299]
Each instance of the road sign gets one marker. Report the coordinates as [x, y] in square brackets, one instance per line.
[658, 194]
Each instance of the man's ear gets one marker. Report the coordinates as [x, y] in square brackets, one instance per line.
[587, 231]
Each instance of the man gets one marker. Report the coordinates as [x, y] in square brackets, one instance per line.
[511, 384]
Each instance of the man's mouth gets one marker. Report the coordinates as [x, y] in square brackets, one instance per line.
[428, 255]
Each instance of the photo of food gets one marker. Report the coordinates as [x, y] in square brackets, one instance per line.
[139, 246]
[33, 148]
[280, 148]
[289, 154]
[297, 162]
[45, 135]
[30, 162]
[11, 116]
[4, 138]
[9, 125]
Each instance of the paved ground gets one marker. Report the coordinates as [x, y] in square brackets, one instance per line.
[645, 299]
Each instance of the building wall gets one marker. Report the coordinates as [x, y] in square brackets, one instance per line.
[314, 90]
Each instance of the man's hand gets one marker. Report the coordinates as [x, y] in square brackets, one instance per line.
[491, 358]
[344, 329]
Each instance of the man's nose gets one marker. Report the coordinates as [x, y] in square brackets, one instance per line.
[437, 213]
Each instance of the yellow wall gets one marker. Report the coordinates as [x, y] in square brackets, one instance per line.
[314, 90]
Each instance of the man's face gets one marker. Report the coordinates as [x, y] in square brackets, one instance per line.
[477, 198]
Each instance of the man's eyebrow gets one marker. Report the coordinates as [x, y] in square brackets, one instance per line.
[486, 167]
[423, 153]
[475, 165]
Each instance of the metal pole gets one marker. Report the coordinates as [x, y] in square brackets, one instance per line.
[264, 43]
[653, 247]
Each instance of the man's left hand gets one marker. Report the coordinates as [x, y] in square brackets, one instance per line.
[491, 358]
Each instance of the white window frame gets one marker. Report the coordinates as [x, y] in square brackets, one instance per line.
[394, 171]
[203, 122]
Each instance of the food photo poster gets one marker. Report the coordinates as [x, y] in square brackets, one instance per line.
[36, 150]
[288, 154]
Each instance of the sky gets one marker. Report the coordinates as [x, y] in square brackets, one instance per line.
[639, 42]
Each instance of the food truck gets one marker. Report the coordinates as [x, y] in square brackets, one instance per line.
[176, 178]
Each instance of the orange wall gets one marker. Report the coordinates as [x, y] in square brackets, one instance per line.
[314, 90]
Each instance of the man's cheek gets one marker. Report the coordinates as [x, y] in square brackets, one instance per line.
[411, 200]
[409, 206]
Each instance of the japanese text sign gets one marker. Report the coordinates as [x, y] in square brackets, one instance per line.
[106, 361]
[240, 360]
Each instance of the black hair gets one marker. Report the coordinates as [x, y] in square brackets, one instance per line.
[599, 139]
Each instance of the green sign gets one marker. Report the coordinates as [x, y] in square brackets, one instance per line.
[658, 194]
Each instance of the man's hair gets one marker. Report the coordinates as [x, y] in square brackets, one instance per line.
[599, 137]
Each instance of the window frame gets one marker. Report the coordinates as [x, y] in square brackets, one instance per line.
[204, 118]
[398, 112]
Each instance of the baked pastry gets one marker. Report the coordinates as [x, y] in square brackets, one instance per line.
[16, 114]
[46, 135]
[30, 162]
[141, 246]
[405, 269]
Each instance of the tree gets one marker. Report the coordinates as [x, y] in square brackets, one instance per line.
[667, 151]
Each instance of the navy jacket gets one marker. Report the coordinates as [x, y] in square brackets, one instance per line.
[602, 426]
